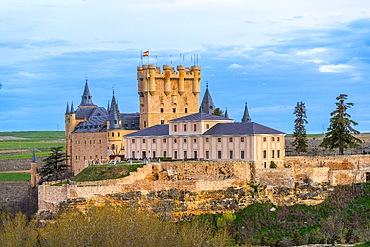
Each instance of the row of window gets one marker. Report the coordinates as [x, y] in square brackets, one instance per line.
[194, 140]
[86, 142]
[96, 157]
[272, 139]
[272, 154]
[195, 154]
[174, 110]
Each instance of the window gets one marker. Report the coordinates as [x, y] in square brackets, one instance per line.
[119, 134]
[165, 154]
[164, 140]
[195, 127]
[133, 141]
[143, 154]
[175, 128]
[195, 140]
[133, 155]
[219, 139]
[264, 154]
[264, 139]
[231, 155]
[186, 110]
[273, 154]
[173, 110]
[207, 140]
[272, 139]
[99, 141]
[277, 139]
[195, 154]
[143, 140]
[76, 157]
[153, 140]
[144, 124]
[219, 154]
[112, 146]
[278, 153]
[175, 154]
[175, 141]
[242, 154]
[207, 155]
[185, 154]
[162, 121]
[207, 126]
[230, 139]
[241, 139]
[184, 140]
[184, 127]
[154, 156]
[161, 110]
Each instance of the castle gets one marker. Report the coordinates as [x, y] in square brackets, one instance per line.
[170, 124]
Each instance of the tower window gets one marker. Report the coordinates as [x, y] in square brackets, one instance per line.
[161, 110]
[173, 110]
[186, 110]
[144, 124]
[112, 134]
[162, 121]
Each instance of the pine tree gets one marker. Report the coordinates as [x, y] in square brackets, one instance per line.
[56, 166]
[340, 132]
[300, 137]
[218, 112]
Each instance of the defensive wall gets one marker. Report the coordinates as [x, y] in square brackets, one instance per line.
[183, 188]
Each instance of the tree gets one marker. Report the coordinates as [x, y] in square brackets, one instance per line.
[340, 132]
[300, 137]
[56, 166]
[218, 112]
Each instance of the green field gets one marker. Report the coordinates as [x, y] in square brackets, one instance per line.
[15, 176]
[38, 141]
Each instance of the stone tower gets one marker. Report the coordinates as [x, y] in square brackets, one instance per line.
[167, 94]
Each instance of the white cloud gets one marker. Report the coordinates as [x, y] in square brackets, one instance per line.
[311, 51]
[235, 66]
[331, 68]
[315, 60]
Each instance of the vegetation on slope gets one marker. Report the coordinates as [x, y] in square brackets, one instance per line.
[15, 176]
[103, 172]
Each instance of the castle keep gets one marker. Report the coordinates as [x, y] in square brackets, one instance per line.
[170, 124]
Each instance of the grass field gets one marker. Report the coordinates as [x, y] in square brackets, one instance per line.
[15, 176]
[38, 141]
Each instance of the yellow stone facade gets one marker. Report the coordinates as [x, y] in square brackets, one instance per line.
[167, 94]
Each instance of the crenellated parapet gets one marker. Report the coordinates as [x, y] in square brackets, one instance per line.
[149, 75]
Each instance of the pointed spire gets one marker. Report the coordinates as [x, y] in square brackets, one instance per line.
[67, 110]
[114, 114]
[72, 108]
[86, 97]
[207, 105]
[108, 106]
[33, 157]
[226, 115]
[246, 118]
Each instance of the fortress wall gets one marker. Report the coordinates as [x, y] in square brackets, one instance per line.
[342, 162]
[281, 177]
[341, 177]
[311, 174]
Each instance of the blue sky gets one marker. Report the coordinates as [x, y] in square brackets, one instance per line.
[271, 54]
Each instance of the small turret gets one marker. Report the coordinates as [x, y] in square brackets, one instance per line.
[86, 97]
[226, 115]
[207, 105]
[72, 108]
[152, 71]
[67, 110]
[196, 80]
[246, 118]
[114, 115]
[181, 70]
[167, 79]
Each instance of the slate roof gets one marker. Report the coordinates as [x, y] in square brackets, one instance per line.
[198, 117]
[156, 130]
[130, 121]
[249, 128]
[207, 105]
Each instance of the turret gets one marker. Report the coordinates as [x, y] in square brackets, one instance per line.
[86, 97]
[196, 80]
[181, 70]
[246, 118]
[167, 79]
[68, 109]
[140, 79]
[114, 115]
[207, 105]
[152, 70]
[226, 115]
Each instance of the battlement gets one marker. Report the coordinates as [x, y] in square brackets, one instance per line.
[189, 72]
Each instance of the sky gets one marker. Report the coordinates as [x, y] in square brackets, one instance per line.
[270, 54]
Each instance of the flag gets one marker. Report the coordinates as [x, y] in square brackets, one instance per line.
[145, 53]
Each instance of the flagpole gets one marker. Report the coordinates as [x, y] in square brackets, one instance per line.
[141, 55]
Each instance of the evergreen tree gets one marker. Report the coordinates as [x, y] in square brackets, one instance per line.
[300, 137]
[56, 166]
[218, 112]
[340, 132]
